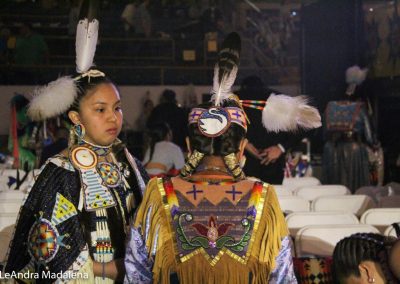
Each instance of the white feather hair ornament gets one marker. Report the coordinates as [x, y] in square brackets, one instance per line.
[222, 90]
[354, 77]
[52, 99]
[226, 69]
[285, 113]
[86, 41]
[57, 97]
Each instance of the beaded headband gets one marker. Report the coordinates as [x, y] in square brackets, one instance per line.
[215, 121]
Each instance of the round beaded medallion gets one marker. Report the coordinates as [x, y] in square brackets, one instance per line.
[110, 174]
[83, 157]
[42, 241]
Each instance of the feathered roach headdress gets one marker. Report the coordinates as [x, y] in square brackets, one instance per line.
[354, 77]
[280, 112]
[58, 96]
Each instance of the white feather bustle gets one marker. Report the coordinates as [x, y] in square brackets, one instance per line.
[285, 113]
[85, 44]
[53, 99]
[355, 75]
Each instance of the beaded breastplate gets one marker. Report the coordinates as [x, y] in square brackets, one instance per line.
[213, 219]
[104, 186]
[97, 177]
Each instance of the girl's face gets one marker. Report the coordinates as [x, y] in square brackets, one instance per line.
[101, 115]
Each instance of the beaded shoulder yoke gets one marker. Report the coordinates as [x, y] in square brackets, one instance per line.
[199, 230]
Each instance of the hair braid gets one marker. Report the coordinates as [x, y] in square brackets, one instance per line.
[351, 251]
[225, 145]
[192, 163]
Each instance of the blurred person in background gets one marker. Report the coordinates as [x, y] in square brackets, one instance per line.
[137, 22]
[31, 51]
[31, 48]
[349, 138]
[162, 157]
[212, 224]
[141, 122]
[128, 18]
[168, 111]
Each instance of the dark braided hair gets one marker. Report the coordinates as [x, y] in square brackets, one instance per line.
[222, 145]
[225, 145]
[351, 251]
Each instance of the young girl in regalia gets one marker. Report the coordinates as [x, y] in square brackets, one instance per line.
[212, 224]
[75, 218]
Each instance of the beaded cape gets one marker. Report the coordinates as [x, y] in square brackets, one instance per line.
[209, 232]
[55, 233]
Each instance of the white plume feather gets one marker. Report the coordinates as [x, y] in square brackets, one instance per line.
[223, 90]
[355, 75]
[285, 113]
[86, 40]
[52, 99]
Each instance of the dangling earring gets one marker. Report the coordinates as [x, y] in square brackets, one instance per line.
[79, 130]
[371, 280]
[72, 137]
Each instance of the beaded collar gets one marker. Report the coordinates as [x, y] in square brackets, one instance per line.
[99, 150]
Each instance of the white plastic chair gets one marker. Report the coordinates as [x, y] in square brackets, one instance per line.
[3, 183]
[12, 194]
[291, 204]
[7, 225]
[296, 220]
[297, 182]
[390, 232]
[312, 192]
[5, 239]
[356, 204]
[12, 172]
[7, 220]
[10, 205]
[381, 217]
[282, 190]
[320, 240]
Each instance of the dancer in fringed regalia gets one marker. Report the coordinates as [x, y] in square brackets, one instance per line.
[211, 224]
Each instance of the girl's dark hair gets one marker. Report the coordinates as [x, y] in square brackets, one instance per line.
[222, 145]
[85, 85]
[156, 133]
[351, 251]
